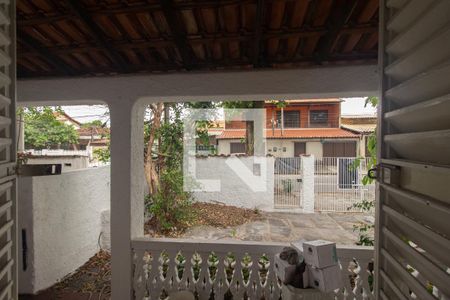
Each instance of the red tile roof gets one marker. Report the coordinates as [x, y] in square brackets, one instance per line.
[309, 101]
[88, 131]
[303, 133]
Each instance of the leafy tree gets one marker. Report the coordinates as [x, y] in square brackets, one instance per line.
[94, 123]
[103, 154]
[43, 130]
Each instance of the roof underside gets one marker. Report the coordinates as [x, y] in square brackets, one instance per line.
[88, 37]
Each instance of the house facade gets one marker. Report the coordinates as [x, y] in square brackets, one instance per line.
[307, 126]
[362, 125]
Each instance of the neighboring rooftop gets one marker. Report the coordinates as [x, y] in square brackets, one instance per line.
[359, 116]
[309, 133]
[361, 123]
[360, 128]
[308, 101]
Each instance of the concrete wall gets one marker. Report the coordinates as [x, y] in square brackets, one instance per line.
[62, 217]
[314, 148]
[233, 190]
[68, 163]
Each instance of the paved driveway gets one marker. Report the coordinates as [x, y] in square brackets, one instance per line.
[286, 227]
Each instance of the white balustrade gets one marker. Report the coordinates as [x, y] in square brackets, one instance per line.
[231, 269]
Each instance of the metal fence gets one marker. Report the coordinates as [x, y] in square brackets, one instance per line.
[338, 186]
[287, 182]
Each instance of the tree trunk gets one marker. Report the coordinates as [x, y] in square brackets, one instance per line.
[250, 131]
[151, 174]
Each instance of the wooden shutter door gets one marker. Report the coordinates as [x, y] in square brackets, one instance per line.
[8, 207]
[413, 201]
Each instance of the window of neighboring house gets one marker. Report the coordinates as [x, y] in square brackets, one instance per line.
[291, 119]
[318, 118]
[237, 148]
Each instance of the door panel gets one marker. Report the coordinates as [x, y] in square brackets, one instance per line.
[299, 148]
[413, 204]
[237, 148]
[339, 149]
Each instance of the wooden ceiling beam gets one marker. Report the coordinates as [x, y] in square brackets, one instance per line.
[206, 40]
[178, 33]
[44, 20]
[45, 53]
[260, 7]
[342, 11]
[97, 33]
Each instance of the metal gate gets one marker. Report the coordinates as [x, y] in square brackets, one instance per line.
[338, 185]
[288, 182]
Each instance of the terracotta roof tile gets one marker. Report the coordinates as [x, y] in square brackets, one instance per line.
[305, 133]
[360, 128]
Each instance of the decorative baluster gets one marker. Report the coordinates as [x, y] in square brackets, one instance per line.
[237, 277]
[139, 276]
[253, 278]
[346, 278]
[186, 281]
[157, 276]
[221, 284]
[271, 288]
[364, 274]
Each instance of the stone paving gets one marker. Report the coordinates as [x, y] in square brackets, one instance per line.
[286, 227]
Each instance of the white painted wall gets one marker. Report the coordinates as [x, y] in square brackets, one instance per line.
[68, 163]
[280, 144]
[314, 148]
[62, 218]
[308, 183]
[233, 190]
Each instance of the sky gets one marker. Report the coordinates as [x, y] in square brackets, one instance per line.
[87, 113]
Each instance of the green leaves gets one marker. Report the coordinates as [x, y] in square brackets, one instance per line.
[372, 101]
[43, 130]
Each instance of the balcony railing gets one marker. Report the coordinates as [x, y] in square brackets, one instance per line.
[231, 270]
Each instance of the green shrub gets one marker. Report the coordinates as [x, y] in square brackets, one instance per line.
[171, 206]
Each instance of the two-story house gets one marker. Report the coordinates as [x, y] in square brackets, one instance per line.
[307, 126]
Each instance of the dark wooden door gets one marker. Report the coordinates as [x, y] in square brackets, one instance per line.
[339, 149]
[299, 148]
[237, 148]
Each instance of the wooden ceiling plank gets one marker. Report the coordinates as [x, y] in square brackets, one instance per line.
[371, 42]
[260, 9]
[369, 11]
[276, 20]
[299, 13]
[43, 20]
[54, 34]
[342, 12]
[52, 59]
[149, 25]
[97, 33]
[209, 19]
[351, 42]
[178, 33]
[126, 23]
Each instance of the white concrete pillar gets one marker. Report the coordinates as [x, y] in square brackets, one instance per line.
[307, 165]
[127, 192]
